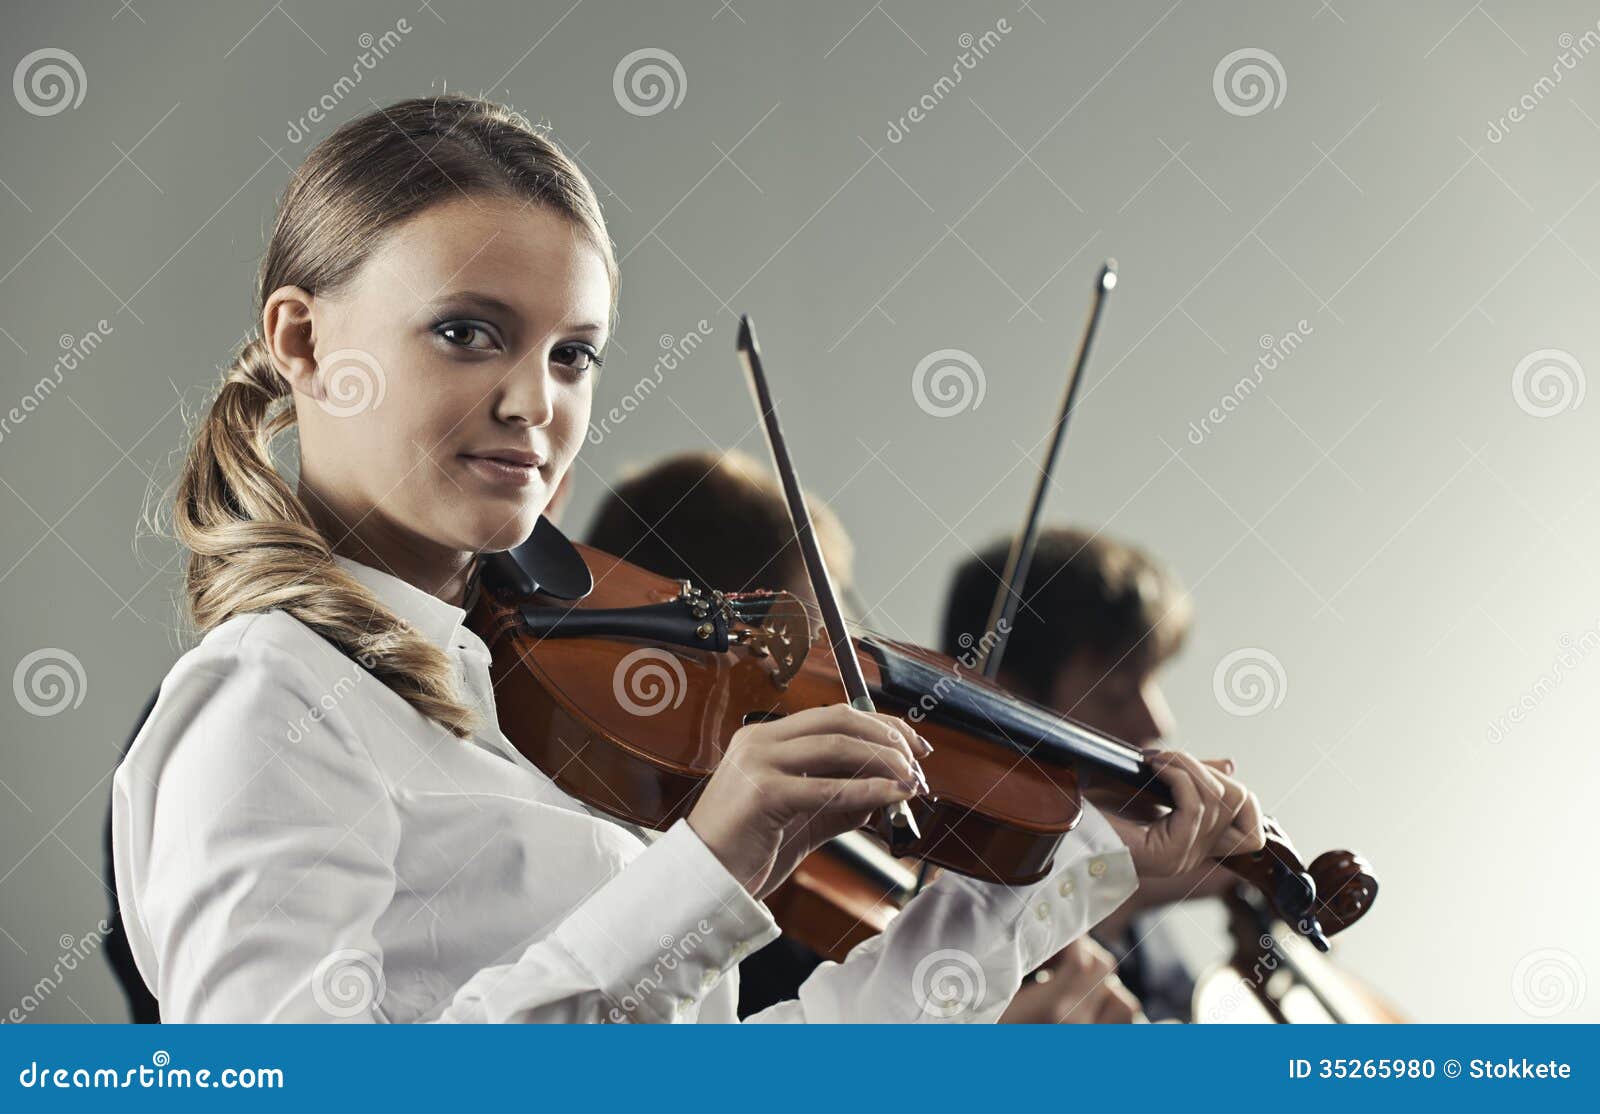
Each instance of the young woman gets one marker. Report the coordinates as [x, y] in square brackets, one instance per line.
[320, 819]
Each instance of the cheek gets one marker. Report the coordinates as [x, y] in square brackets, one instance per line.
[572, 416]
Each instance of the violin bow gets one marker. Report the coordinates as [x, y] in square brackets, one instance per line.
[899, 825]
[1006, 598]
[1004, 610]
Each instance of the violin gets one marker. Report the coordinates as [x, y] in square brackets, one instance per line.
[625, 688]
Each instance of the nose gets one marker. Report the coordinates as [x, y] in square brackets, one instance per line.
[526, 396]
[1149, 717]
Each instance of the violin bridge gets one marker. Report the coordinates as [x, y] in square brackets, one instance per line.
[773, 626]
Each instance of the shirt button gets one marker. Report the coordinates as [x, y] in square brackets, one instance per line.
[1097, 867]
[1065, 889]
[1042, 910]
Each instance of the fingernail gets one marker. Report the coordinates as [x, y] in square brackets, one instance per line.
[927, 747]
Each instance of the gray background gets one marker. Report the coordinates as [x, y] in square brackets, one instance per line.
[1388, 524]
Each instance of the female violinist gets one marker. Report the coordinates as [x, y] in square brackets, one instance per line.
[321, 820]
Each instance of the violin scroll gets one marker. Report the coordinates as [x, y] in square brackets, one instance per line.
[1320, 901]
[1346, 888]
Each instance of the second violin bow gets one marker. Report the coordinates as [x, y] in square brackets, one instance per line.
[1004, 611]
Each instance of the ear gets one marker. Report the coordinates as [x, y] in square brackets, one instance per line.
[287, 326]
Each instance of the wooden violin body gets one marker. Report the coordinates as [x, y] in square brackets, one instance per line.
[636, 727]
[627, 692]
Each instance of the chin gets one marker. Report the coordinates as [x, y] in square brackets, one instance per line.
[497, 533]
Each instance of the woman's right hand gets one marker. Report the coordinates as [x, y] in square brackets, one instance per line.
[787, 786]
[1213, 816]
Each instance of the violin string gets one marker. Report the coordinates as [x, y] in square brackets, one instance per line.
[1042, 718]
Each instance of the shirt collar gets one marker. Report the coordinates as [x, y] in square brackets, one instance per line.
[437, 621]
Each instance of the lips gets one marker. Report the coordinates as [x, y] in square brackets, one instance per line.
[505, 467]
[510, 456]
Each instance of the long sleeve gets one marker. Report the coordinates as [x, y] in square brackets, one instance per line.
[961, 948]
[256, 840]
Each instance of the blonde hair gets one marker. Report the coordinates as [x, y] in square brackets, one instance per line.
[253, 545]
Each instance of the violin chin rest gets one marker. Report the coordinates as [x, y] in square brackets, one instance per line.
[547, 563]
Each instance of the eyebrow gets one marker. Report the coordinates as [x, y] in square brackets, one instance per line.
[490, 304]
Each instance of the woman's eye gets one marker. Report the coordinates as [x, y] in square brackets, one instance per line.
[465, 334]
[579, 357]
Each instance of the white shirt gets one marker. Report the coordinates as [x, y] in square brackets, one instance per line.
[294, 842]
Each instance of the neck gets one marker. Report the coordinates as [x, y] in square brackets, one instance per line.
[365, 535]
